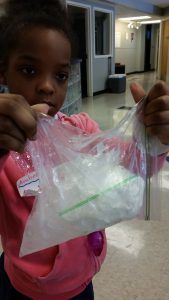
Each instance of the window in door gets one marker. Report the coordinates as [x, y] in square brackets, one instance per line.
[102, 33]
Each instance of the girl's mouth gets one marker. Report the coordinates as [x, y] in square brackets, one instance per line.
[49, 103]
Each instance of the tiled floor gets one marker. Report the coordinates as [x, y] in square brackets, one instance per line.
[137, 262]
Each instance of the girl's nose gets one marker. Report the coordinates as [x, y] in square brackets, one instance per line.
[46, 87]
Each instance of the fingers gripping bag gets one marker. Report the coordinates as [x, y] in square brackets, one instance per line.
[82, 183]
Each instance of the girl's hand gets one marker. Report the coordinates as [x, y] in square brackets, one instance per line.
[156, 113]
[18, 121]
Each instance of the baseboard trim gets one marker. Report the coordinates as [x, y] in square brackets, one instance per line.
[100, 92]
[138, 72]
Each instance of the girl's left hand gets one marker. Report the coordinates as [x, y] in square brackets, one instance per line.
[156, 113]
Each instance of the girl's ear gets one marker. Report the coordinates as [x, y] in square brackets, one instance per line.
[2, 73]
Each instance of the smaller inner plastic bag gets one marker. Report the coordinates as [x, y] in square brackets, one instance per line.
[82, 183]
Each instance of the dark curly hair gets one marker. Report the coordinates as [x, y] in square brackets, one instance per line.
[21, 15]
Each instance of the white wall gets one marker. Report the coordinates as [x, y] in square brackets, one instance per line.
[130, 52]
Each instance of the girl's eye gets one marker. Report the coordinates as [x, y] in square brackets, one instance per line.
[62, 77]
[28, 70]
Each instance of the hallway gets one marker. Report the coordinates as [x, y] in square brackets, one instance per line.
[104, 107]
[137, 262]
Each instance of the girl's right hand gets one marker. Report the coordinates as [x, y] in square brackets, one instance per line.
[18, 121]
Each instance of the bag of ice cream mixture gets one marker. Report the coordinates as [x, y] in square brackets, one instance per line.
[83, 183]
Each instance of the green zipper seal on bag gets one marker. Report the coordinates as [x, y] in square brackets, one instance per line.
[95, 196]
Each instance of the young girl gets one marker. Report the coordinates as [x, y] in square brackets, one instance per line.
[35, 57]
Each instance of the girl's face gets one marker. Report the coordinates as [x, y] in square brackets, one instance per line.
[39, 68]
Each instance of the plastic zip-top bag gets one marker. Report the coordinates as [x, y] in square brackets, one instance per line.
[82, 183]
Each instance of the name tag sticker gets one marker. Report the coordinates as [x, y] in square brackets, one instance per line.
[28, 185]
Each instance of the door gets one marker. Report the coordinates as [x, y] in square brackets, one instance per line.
[147, 61]
[78, 18]
[165, 50]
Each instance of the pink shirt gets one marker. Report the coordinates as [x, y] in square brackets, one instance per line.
[56, 273]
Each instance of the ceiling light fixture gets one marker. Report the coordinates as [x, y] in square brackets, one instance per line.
[134, 25]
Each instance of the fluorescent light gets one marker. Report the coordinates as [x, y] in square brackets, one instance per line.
[135, 18]
[151, 22]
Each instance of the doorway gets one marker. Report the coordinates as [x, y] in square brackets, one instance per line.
[147, 60]
[78, 16]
